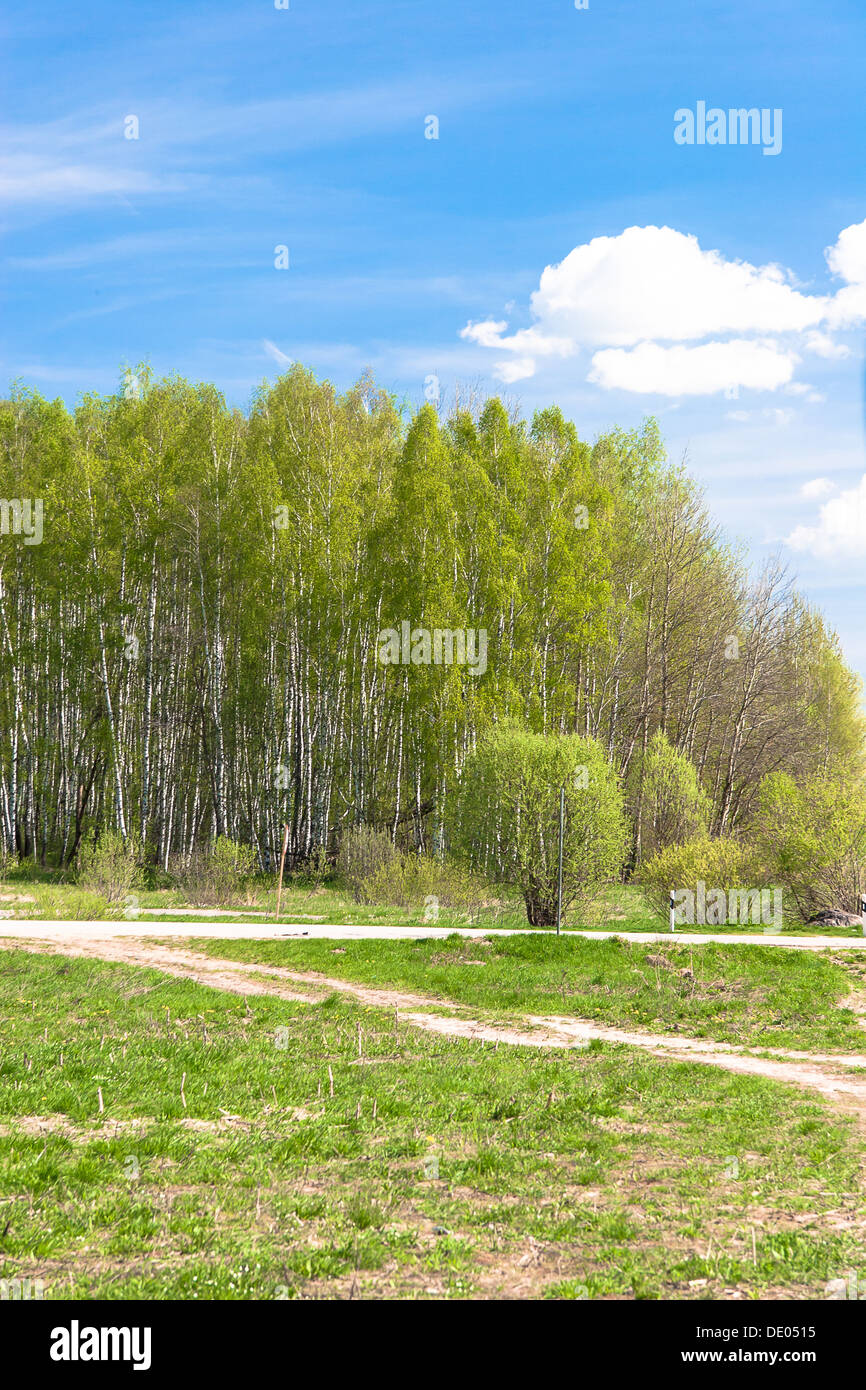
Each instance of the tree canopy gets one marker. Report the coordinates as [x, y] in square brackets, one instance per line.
[192, 649]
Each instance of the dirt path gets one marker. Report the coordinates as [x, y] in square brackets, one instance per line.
[318, 930]
[822, 1072]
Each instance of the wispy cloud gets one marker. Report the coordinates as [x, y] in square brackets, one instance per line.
[119, 249]
[86, 155]
[33, 179]
[281, 358]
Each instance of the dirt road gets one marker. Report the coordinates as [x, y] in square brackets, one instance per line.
[255, 931]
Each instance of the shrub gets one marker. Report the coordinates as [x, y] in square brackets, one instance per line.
[110, 866]
[314, 871]
[364, 853]
[506, 821]
[722, 863]
[813, 836]
[215, 875]
[675, 807]
[59, 904]
[420, 884]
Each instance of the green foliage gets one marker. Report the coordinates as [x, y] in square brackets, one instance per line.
[110, 866]
[380, 874]
[424, 886]
[723, 863]
[217, 874]
[364, 852]
[314, 872]
[675, 806]
[254, 559]
[813, 836]
[506, 823]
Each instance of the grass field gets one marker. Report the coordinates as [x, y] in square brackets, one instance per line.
[753, 995]
[161, 1139]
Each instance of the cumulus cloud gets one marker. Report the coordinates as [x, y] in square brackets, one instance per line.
[655, 282]
[817, 488]
[822, 345]
[527, 345]
[516, 369]
[839, 532]
[661, 314]
[696, 371]
[847, 258]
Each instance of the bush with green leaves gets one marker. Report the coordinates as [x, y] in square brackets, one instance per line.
[505, 823]
[364, 853]
[812, 836]
[313, 871]
[722, 863]
[424, 886]
[675, 807]
[59, 902]
[110, 865]
[216, 875]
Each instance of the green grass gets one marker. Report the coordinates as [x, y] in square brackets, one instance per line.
[628, 911]
[753, 994]
[40, 894]
[600, 1173]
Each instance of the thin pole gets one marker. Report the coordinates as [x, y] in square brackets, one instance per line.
[671, 905]
[282, 862]
[559, 881]
[863, 911]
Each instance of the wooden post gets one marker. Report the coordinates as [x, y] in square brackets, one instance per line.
[559, 875]
[282, 862]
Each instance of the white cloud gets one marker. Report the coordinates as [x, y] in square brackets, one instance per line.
[642, 301]
[693, 371]
[839, 533]
[823, 345]
[276, 353]
[516, 370]
[817, 488]
[780, 416]
[527, 345]
[488, 334]
[775, 414]
[655, 282]
[26, 180]
[84, 154]
[847, 258]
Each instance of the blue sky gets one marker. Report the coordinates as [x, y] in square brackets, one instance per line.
[721, 313]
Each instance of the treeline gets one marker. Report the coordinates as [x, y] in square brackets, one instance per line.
[194, 647]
